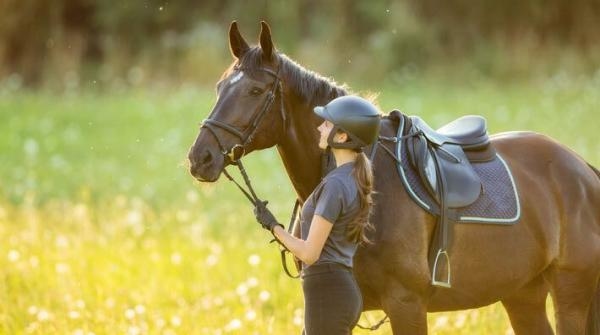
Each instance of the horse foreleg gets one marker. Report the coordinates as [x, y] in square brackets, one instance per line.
[407, 312]
[526, 309]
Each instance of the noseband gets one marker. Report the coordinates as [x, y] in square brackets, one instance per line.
[237, 151]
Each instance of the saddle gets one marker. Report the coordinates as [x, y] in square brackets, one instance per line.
[443, 160]
[455, 174]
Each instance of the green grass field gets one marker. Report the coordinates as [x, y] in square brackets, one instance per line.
[102, 230]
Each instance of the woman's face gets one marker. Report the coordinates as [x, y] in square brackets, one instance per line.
[324, 129]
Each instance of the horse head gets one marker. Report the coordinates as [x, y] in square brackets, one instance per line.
[249, 112]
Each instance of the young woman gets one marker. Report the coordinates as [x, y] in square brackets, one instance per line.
[334, 218]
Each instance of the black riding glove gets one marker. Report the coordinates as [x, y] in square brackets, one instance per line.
[264, 216]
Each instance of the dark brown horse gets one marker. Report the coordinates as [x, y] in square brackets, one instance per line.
[555, 247]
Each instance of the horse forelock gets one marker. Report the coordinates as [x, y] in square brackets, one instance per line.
[251, 62]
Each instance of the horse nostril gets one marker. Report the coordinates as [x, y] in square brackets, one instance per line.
[206, 157]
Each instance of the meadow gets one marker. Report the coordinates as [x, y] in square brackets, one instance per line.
[103, 231]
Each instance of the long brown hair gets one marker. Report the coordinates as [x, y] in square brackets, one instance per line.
[364, 180]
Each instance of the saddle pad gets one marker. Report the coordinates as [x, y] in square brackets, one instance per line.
[497, 204]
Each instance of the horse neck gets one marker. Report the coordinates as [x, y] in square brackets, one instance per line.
[299, 148]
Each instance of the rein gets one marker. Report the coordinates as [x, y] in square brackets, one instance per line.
[237, 151]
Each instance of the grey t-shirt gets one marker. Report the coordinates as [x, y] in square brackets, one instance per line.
[336, 200]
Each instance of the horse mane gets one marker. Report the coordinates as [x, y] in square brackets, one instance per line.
[309, 85]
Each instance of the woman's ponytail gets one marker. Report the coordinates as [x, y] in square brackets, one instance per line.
[364, 180]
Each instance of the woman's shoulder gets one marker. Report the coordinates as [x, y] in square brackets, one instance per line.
[341, 174]
[334, 181]
[343, 185]
[330, 185]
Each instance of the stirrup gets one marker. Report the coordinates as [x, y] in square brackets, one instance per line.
[434, 280]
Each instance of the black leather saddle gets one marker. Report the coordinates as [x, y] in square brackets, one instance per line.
[456, 175]
[443, 158]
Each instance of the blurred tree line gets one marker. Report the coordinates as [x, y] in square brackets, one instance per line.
[71, 42]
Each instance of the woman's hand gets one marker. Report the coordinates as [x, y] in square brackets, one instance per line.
[264, 216]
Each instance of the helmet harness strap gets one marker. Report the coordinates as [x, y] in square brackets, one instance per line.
[353, 143]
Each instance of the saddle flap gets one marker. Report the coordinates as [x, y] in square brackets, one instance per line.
[461, 183]
[448, 164]
[422, 160]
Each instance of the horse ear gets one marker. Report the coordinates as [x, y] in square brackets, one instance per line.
[237, 44]
[266, 43]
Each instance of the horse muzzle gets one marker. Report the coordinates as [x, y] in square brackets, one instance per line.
[206, 165]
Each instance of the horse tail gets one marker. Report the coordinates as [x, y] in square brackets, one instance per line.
[594, 169]
[593, 322]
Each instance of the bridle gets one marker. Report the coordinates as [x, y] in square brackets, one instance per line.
[237, 151]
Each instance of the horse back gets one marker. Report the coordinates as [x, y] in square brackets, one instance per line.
[536, 153]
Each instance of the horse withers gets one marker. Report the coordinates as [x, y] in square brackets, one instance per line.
[266, 100]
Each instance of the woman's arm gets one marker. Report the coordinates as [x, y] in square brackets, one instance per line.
[309, 250]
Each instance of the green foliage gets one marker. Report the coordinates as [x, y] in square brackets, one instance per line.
[64, 44]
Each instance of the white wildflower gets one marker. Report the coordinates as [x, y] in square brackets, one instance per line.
[43, 315]
[264, 295]
[175, 321]
[252, 282]
[254, 260]
[242, 289]
[234, 324]
[32, 310]
[133, 330]
[176, 258]
[129, 314]
[62, 268]
[250, 315]
[212, 260]
[13, 255]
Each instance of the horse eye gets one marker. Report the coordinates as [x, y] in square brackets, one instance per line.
[255, 91]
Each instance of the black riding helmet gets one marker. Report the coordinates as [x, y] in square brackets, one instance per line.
[353, 115]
